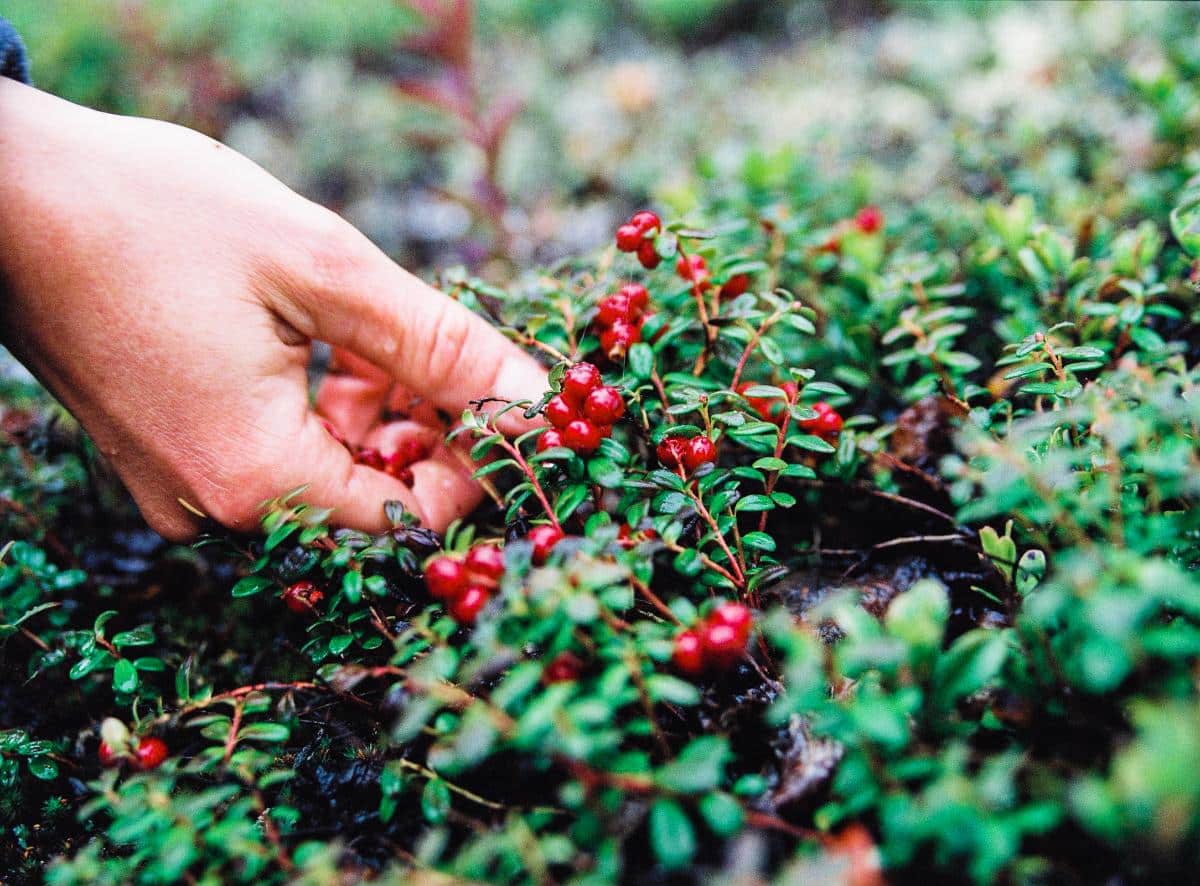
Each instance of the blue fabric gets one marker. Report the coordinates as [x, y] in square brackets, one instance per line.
[13, 62]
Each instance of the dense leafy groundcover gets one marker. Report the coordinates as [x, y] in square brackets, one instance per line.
[975, 600]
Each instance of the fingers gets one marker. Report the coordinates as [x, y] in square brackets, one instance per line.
[349, 293]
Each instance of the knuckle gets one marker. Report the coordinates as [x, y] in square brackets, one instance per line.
[449, 343]
[333, 252]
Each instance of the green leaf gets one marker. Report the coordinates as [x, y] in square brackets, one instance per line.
[605, 472]
[251, 584]
[641, 360]
[435, 801]
[722, 813]
[699, 767]
[340, 643]
[967, 666]
[142, 635]
[125, 677]
[271, 732]
[671, 834]
[352, 586]
[664, 687]
[42, 767]
[755, 503]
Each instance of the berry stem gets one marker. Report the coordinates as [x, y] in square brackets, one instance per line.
[531, 476]
[752, 345]
[710, 332]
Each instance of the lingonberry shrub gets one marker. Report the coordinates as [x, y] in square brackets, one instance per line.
[886, 559]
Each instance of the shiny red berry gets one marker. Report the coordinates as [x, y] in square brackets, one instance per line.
[559, 411]
[694, 268]
[700, 451]
[604, 406]
[107, 756]
[829, 424]
[302, 596]
[149, 753]
[445, 577]
[613, 308]
[579, 381]
[485, 561]
[645, 220]
[581, 436]
[549, 440]
[638, 295]
[372, 458]
[562, 668]
[543, 537]
[735, 615]
[688, 654]
[672, 452]
[618, 338]
[869, 219]
[735, 286]
[723, 645]
[648, 255]
[468, 604]
[629, 237]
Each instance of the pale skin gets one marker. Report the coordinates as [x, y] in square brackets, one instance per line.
[167, 290]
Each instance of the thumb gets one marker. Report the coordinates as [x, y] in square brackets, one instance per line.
[351, 295]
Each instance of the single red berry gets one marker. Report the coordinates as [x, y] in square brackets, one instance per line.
[672, 452]
[648, 255]
[735, 615]
[638, 295]
[579, 381]
[735, 286]
[486, 561]
[832, 244]
[869, 219]
[445, 577]
[688, 654]
[645, 220]
[468, 604]
[629, 237]
[302, 596]
[723, 645]
[372, 458]
[581, 436]
[700, 451]
[618, 338]
[149, 753]
[107, 756]
[562, 668]
[604, 406]
[544, 537]
[405, 475]
[613, 308]
[829, 424]
[559, 412]
[694, 268]
[549, 440]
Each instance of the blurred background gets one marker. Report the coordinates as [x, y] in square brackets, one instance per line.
[502, 133]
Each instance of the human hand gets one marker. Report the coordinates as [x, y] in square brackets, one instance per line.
[166, 290]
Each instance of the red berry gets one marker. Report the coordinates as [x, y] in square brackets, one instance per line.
[829, 424]
[735, 615]
[832, 244]
[648, 255]
[613, 308]
[688, 654]
[549, 440]
[604, 406]
[445, 577]
[302, 596]
[559, 412]
[629, 237]
[700, 451]
[735, 286]
[672, 452]
[869, 219]
[645, 220]
[486, 561]
[618, 338]
[723, 644]
[638, 296]
[149, 753]
[562, 668]
[544, 537]
[694, 268]
[467, 606]
[581, 436]
[372, 458]
[579, 381]
[107, 756]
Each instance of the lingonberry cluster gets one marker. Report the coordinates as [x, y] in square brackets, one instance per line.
[716, 644]
[582, 413]
[465, 585]
[620, 318]
[685, 454]
[398, 464]
[118, 746]
[827, 423]
[637, 235]
[302, 597]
